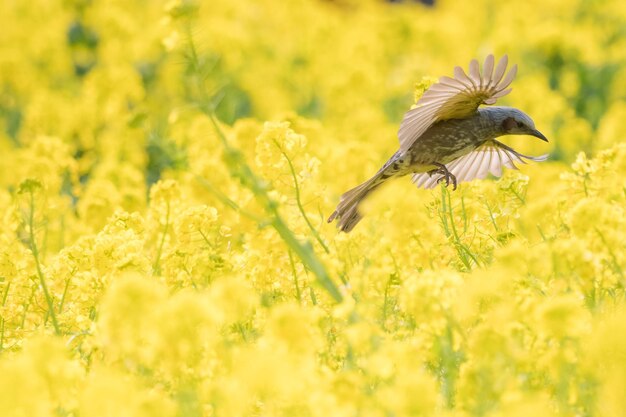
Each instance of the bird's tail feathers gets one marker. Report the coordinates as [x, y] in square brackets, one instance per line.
[347, 210]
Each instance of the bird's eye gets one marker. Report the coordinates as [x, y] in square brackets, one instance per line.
[519, 124]
[508, 124]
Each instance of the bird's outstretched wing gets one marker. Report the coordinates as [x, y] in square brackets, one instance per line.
[456, 98]
[486, 159]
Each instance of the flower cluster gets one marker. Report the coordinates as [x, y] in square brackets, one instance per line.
[168, 170]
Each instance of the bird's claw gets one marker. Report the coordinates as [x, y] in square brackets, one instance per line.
[446, 176]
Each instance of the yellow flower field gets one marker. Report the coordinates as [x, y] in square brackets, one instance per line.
[168, 169]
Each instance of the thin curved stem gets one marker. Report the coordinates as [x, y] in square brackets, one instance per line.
[35, 251]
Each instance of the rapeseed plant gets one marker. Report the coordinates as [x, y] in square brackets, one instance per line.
[167, 173]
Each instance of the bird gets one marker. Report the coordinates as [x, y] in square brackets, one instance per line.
[449, 137]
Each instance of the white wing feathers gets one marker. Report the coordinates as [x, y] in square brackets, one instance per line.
[458, 97]
[487, 159]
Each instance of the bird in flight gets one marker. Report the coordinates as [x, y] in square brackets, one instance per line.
[449, 137]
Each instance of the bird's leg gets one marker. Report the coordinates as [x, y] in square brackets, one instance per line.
[447, 176]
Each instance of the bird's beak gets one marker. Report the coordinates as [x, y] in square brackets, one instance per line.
[538, 134]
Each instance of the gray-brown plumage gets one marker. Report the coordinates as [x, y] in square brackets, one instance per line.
[447, 137]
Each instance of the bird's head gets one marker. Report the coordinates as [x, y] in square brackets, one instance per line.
[515, 122]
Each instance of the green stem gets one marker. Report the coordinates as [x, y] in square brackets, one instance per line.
[300, 207]
[443, 213]
[241, 170]
[295, 278]
[242, 332]
[543, 236]
[206, 239]
[313, 297]
[394, 278]
[493, 219]
[464, 213]
[27, 306]
[462, 250]
[516, 194]
[67, 284]
[157, 267]
[452, 223]
[227, 201]
[306, 254]
[4, 300]
[616, 265]
[34, 250]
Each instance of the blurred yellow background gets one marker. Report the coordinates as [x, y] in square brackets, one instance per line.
[155, 263]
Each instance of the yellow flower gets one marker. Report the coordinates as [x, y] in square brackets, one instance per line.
[40, 379]
[178, 297]
[124, 396]
[428, 296]
[422, 86]
[413, 393]
[293, 328]
[563, 316]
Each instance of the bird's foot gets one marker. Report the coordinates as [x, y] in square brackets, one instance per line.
[447, 176]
